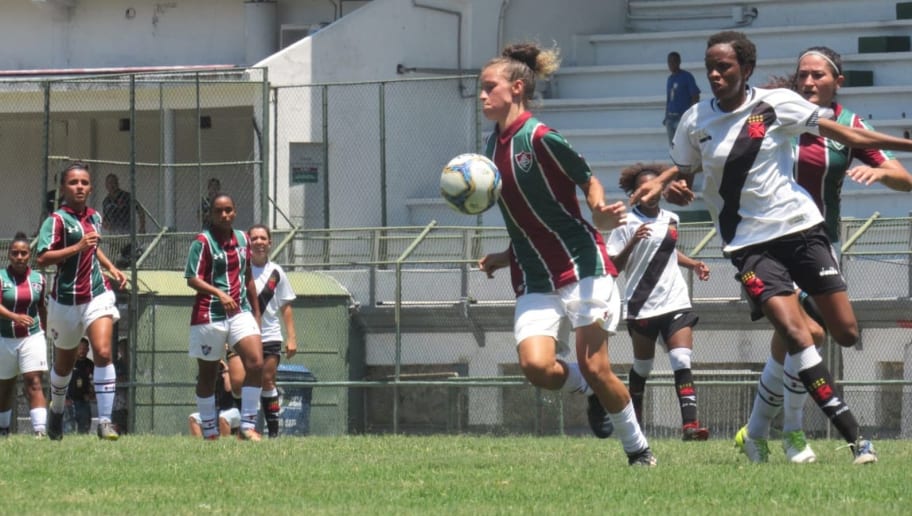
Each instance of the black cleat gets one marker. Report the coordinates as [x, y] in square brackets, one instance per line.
[599, 421]
[643, 457]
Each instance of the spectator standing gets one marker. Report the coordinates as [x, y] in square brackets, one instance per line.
[115, 210]
[681, 92]
[213, 187]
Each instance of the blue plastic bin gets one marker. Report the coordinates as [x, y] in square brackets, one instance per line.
[294, 417]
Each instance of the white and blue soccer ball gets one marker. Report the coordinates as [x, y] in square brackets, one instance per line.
[470, 183]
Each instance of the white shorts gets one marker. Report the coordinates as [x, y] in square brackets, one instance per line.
[232, 416]
[591, 300]
[207, 341]
[67, 324]
[22, 355]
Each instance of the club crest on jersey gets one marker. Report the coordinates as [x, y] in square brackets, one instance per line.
[523, 160]
[755, 128]
[752, 284]
[36, 287]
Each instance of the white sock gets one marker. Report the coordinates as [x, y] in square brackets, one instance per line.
[627, 429]
[575, 381]
[39, 419]
[59, 386]
[642, 367]
[767, 402]
[208, 416]
[6, 418]
[795, 393]
[680, 358]
[105, 384]
[250, 405]
[270, 393]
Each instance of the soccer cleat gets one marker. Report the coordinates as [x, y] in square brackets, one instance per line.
[864, 452]
[249, 434]
[643, 458]
[694, 432]
[106, 431]
[54, 425]
[213, 437]
[797, 449]
[757, 450]
[4, 431]
[40, 435]
[599, 421]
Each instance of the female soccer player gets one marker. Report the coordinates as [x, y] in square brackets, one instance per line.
[22, 341]
[82, 303]
[770, 227]
[657, 299]
[557, 259]
[225, 310]
[275, 296]
[820, 168]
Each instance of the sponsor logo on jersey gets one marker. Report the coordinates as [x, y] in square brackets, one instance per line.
[677, 316]
[523, 160]
[72, 229]
[828, 271]
[756, 130]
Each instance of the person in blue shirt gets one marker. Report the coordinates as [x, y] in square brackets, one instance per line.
[681, 92]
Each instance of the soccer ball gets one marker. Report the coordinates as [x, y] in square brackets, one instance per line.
[470, 183]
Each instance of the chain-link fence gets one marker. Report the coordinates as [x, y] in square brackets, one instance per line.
[400, 331]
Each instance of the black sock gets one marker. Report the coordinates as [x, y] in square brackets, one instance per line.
[819, 384]
[637, 388]
[687, 395]
[271, 414]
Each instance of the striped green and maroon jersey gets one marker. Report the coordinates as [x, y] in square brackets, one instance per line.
[821, 165]
[79, 278]
[551, 244]
[21, 295]
[222, 265]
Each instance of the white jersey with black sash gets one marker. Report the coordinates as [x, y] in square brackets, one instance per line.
[747, 157]
[655, 285]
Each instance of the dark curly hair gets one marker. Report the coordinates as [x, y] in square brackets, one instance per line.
[630, 175]
[745, 50]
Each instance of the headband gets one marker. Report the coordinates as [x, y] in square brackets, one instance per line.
[825, 58]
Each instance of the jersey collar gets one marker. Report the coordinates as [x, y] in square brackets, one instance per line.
[507, 134]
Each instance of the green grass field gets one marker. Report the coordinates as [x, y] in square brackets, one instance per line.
[435, 475]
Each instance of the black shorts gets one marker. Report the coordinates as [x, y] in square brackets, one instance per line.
[272, 348]
[665, 324]
[774, 268]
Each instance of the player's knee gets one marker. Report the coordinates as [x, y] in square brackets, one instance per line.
[593, 369]
[846, 337]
